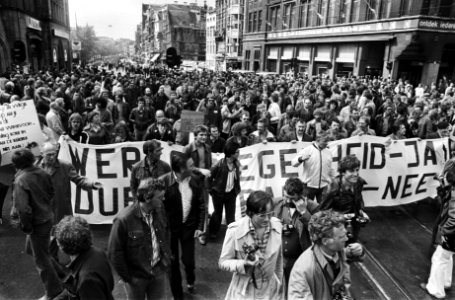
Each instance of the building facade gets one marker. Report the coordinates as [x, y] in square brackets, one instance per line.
[181, 26]
[409, 39]
[229, 33]
[35, 34]
[210, 45]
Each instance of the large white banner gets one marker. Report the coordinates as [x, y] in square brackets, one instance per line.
[399, 173]
[19, 127]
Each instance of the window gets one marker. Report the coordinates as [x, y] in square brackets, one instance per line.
[404, 7]
[250, 22]
[254, 21]
[288, 15]
[304, 9]
[274, 13]
[247, 54]
[371, 9]
[259, 20]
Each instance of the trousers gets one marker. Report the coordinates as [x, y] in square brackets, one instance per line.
[154, 288]
[185, 239]
[38, 241]
[219, 200]
[441, 272]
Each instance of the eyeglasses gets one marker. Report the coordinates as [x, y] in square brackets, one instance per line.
[267, 214]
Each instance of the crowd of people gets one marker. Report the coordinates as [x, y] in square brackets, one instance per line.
[298, 246]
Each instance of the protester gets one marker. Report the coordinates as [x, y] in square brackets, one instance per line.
[224, 184]
[215, 141]
[442, 260]
[322, 271]
[91, 274]
[62, 173]
[185, 207]
[317, 167]
[252, 252]
[141, 119]
[139, 244]
[75, 130]
[345, 195]
[150, 166]
[294, 210]
[33, 193]
[239, 134]
[262, 134]
[199, 151]
[98, 134]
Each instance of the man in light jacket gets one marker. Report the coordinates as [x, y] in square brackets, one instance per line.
[317, 167]
[322, 271]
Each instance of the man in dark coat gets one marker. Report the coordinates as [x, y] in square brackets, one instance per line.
[32, 195]
[91, 275]
[185, 209]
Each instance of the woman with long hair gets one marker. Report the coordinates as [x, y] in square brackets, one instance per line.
[75, 129]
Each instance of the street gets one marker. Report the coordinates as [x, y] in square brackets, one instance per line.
[398, 259]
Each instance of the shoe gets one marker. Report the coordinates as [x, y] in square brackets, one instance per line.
[423, 286]
[190, 288]
[202, 240]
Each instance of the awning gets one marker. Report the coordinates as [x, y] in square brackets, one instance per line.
[155, 57]
[332, 40]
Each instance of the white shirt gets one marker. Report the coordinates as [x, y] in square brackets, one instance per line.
[186, 194]
[230, 180]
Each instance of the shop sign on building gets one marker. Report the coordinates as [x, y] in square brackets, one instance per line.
[33, 23]
[61, 33]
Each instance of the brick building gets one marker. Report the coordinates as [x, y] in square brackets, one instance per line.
[35, 34]
[409, 39]
[182, 26]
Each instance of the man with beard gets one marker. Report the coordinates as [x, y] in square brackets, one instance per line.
[363, 127]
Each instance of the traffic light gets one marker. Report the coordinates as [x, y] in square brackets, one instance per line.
[19, 54]
[177, 60]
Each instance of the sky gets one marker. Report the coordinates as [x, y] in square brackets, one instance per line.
[113, 18]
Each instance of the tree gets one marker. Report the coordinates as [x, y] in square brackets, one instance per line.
[88, 39]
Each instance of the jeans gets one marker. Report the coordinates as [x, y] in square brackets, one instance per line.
[186, 240]
[154, 288]
[219, 200]
[139, 135]
[441, 272]
[39, 244]
[313, 193]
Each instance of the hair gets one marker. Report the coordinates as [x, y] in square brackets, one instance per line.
[178, 162]
[102, 102]
[75, 117]
[147, 187]
[237, 128]
[322, 223]
[73, 235]
[212, 126]
[348, 163]
[92, 114]
[293, 186]
[257, 202]
[396, 127]
[230, 149]
[333, 101]
[150, 145]
[140, 99]
[366, 119]
[442, 125]
[23, 158]
[200, 128]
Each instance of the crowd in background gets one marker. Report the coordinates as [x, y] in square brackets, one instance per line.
[100, 106]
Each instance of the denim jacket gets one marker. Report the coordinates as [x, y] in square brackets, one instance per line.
[130, 244]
